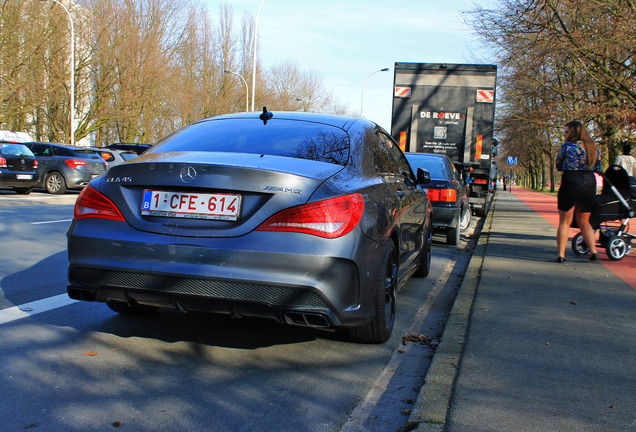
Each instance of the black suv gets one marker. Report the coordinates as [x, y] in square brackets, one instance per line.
[63, 167]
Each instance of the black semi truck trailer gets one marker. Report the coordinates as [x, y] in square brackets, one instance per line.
[450, 109]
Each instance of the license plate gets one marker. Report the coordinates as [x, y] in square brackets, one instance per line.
[191, 205]
[24, 177]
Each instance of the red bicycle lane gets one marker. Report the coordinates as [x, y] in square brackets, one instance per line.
[546, 206]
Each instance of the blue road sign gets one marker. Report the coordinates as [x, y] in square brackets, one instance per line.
[512, 160]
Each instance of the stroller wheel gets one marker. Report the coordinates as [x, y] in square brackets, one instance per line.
[617, 247]
[578, 245]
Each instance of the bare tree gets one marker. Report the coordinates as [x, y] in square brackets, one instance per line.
[143, 69]
[566, 60]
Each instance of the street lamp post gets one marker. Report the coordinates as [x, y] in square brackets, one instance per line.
[365, 84]
[72, 107]
[247, 92]
[254, 52]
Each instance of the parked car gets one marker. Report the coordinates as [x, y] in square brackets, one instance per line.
[309, 219]
[63, 167]
[18, 167]
[447, 193]
[135, 147]
[114, 157]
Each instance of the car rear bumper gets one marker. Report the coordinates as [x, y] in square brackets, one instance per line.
[445, 217]
[321, 286]
[77, 179]
[10, 179]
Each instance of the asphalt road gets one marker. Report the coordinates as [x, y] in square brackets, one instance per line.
[68, 365]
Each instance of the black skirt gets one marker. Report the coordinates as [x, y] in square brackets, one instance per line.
[578, 188]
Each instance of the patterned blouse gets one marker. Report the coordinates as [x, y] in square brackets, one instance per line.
[572, 157]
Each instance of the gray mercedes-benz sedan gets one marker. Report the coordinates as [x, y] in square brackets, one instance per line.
[309, 219]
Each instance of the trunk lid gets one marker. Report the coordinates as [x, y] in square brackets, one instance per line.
[187, 180]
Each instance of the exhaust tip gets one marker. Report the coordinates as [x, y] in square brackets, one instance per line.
[307, 319]
[80, 294]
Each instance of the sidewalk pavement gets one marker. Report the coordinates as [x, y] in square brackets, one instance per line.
[531, 344]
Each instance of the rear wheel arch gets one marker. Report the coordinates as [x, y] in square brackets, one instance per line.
[379, 329]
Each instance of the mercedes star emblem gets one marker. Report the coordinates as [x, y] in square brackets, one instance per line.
[188, 174]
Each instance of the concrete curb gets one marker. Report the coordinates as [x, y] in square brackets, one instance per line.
[433, 402]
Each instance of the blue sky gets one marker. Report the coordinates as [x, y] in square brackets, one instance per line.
[345, 41]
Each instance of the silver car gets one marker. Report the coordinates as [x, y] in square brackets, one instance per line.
[114, 157]
[309, 219]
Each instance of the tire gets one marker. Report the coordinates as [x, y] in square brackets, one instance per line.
[578, 245]
[482, 212]
[54, 183]
[452, 234]
[23, 191]
[617, 247]
[380, 328]
[425, 256]
[464, 221]
[126, 309]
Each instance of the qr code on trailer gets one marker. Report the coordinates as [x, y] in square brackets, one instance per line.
[440, 132]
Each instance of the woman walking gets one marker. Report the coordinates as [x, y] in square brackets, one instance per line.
[578, 159]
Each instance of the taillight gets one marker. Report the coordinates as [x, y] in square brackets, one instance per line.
[443, 195]
[481, 181]
[35, 163]
[92, 204]
[330, 218]
[3, 162]
[74, 163]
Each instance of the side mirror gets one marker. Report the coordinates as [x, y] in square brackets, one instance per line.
[423, 176]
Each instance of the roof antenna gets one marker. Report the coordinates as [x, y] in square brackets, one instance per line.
[266, 115]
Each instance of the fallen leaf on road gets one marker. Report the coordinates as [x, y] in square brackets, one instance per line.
[420, 338]
[90, 353]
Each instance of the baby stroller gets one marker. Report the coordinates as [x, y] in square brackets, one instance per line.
[617, 202]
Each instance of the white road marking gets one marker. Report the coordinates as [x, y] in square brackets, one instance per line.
[33, 308]
[53, 221]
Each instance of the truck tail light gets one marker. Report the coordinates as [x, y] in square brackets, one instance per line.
[481, 181]
[330, 218]
[442, 195]
[92, 204]
[74, 163]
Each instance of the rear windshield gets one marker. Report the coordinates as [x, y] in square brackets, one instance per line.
[436, 166]
[128, 155]
[279, 137]
[87, 154]
[7, 149]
